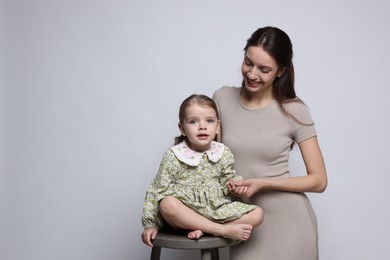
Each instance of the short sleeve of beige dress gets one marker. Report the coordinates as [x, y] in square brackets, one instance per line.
[260, 141]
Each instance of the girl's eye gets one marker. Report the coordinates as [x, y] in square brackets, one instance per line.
[210, 121]
[191, 122]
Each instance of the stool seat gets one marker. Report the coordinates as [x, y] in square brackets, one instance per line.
[207, 244]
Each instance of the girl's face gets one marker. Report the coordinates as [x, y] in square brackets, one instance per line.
[200, 126]
[259, 70]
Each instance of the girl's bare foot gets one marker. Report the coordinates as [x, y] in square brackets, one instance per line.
[196, 234]
[237, 231]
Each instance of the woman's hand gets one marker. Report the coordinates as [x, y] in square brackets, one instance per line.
[148, 235]
[244, 188]
[236, 190]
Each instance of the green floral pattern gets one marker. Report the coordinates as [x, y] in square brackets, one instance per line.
[201, 187]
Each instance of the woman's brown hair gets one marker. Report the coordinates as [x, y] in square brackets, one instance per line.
[278, 44]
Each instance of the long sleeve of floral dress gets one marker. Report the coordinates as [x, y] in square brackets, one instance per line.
[158, 189]
[227, 172]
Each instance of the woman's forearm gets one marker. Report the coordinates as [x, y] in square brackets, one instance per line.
[309, 183]
[316, 178]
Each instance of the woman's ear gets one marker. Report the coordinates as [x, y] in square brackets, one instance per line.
[280, 72]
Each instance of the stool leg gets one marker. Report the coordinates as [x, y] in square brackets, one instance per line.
[155, 255]
[215, 254]
[205, 254]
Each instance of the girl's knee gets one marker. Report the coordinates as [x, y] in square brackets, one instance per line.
[258, 215]
[169, 205]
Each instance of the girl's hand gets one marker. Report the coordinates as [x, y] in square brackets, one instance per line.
[148, 235]
[245, 188]
[235, 189]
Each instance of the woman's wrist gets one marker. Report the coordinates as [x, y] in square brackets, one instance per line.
[265, 184]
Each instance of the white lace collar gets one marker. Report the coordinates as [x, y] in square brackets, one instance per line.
[192, 158]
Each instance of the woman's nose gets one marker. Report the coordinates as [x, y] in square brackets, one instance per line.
[252, 73]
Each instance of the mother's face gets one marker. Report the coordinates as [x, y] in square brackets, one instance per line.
[259, 69]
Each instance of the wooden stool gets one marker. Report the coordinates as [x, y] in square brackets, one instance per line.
[207, 244]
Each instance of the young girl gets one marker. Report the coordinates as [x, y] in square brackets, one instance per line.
[189, 192]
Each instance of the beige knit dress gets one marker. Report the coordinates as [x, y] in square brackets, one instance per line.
[260, 141]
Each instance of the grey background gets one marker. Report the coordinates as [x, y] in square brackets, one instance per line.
[89, 100]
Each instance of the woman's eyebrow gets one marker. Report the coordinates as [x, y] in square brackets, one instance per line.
[247, 58]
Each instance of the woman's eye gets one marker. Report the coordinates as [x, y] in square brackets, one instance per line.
[248, 63]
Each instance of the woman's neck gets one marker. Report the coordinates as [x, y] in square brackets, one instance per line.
[256, 100]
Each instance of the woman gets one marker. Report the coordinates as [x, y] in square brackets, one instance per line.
[261, 121]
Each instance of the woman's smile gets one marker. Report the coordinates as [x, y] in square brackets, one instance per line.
[252, 83]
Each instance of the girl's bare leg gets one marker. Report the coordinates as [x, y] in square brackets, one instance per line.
[179, 215]
[254, 218]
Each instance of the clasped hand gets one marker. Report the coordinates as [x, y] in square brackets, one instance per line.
[242, 188]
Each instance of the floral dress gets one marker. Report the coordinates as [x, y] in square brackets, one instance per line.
[198, 180]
